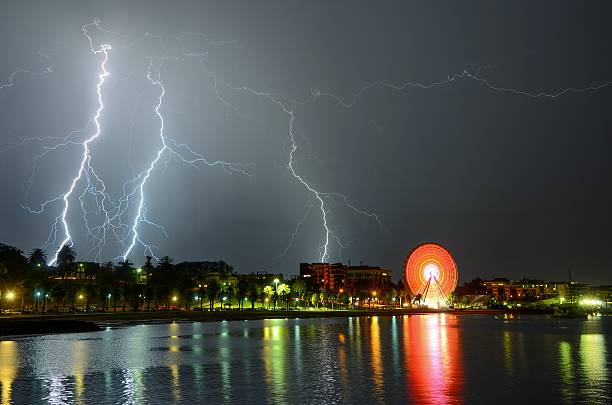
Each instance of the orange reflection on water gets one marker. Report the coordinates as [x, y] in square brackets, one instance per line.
[376, 361]
[432, 359]
[8, 369]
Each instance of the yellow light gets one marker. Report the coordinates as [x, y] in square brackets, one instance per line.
[10, 295]
[174, 298]
[374, 293]
[80, 296]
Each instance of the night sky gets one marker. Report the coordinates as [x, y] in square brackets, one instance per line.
[513, 185]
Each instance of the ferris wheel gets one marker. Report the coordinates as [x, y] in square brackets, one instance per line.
[431, 274]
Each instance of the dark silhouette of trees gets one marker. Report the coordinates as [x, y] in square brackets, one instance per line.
[242, 291]
[66, 255]
[37, 257]
[13, 265]
[212, 291]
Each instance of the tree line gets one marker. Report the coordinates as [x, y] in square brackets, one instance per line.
[28, 283]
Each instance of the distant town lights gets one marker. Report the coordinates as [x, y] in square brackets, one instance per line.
[591, 302]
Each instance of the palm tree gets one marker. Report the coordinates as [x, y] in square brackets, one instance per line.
[283, 290]
[37, 257]
[254, 293]
[125, 270]
[66, 255]
[166, 262]
[269, 292]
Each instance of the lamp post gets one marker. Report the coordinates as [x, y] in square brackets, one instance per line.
[37, 295]
[276, 281]
[9, 296]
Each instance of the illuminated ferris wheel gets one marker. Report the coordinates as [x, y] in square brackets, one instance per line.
[431, 274]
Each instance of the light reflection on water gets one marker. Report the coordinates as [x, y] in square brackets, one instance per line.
[428, 359]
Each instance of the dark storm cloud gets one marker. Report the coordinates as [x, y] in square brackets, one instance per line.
[512, 185]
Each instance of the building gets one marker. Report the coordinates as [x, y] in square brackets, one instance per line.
[504, 290]
[377, 277]
[337, 276]
[323, 276]
[261, 278]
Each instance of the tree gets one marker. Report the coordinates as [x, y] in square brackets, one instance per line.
[314, 299]
[254, 293]
[37, 257]
[323, 298]
[242, 289]
[299, 288]
[268, 292]
[13, 269]
[185, 285]
[125, 270]
[211, 292]
[58, 293]
[283, 291]
[66, 255]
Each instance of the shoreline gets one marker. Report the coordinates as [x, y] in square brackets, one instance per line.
[75, 323]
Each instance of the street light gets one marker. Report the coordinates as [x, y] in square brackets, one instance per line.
[276, 281]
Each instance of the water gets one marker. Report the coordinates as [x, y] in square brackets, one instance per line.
[403, 359]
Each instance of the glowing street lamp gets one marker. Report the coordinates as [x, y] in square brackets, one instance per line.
[174, 298]
[10, 295]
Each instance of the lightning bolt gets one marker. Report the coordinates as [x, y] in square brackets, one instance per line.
[147, 173]
[85, 161]
[11, 79]
[316, 93]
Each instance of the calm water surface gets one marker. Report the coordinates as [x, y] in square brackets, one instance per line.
[403, 359]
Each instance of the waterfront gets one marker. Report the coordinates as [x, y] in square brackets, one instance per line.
[436, 358]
